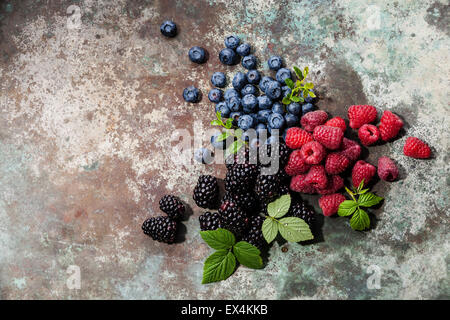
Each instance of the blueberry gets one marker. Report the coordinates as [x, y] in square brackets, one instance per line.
[249, 89]
[197, 54]
[168, 28]
[239, 81]
[285, 91]
[218, 79]
[191, 94]
[235, 116]
[273, 90]
[249, 62]
[219, 105]
[255, 143]
[276, 121]
[231, 93]
[203, 155]
[234, 103]
[215, 95]
[249, 103]
[264, 81]
[220, 144]
[291, 120]
[260, 128]
[283, 74]
[255, 118]
[278, 108]
[307, 107]
[272, 140]
[228, 57]
[232, 42]
[243, 49]
[264, 103]
[253, 76]
[224, 111]
[245, 122]
[294, 108]
[275, 63]
[263, 115]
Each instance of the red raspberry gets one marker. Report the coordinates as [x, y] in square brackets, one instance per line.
[390, 125]
[362, 170]
[416, 148]
[296, 165]
[329, 137]
[336, 163]
[351, 149]
[368, 134]
[313, 152]
[313, 119]
[298, 185]
[296, 137]
[317, 177]
[335, 183]
[387, 169]
[359, 115]
[337, 122]
[330, 203]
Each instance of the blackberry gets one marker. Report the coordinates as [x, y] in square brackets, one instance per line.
[232, 217]
[162, 229]
[206, 192]
[254, 235]
[301, 210]
[283, 152]
[209, 221]
[241, 177]
[284, 189]
[247, 201]
[243, 156]
[267, 187]
[172, 206]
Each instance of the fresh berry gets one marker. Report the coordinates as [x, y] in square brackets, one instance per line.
[313, 152]
[285, 91]
[241, 177]
[228, 57]
[235, 116]
[276, 121]
[296, 164]
[329, 137]
[282, 75]
[313, 119]
[203, 155]
[294, 108]
[234, 104]
[249, 89]
[361, 114]
[335, 183]
[162, 229]
[291, 120]
[253, 77]
[209, 221]
[351, 149]
[416, 148]
[330, 203]
[298, 184]
[283, 152]
[308, 98]
[317, 177]
[275, 63]
[243, 49]
[307, 107]
[249, 62]
[223, 108]
[172, 206]
[264, 82]
[263, 115]
[297, 137]
[390, 125]
[254, 235]
[273, 90]
[336, 163]
[220, 144]
[215, 95]
[246, 200]
[197, 54]
[264, 102]
[219, 80]
[249, 103]
[337, 122]
[191, 94]
[261, 128]
[387, 169]
[368, 134]
[267, 187]
[232, 42]
[362, 170]
[278, 108]
[206, 192]
[231, 93]
[301, 210]
[232, 217]
[168, 28]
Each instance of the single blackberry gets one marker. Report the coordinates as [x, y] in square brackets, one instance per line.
[241, 177]
[247, 201]
[301, 210]
[254, 235]
[209, 221]
[267, 187]
[206, 192]
[232, 217]
[243, 156]
[172, 206]
[162, 229]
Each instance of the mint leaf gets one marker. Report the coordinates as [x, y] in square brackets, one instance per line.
[220, 239]
[248, 255]
[295, 99]
[269, 229]
[279, 207]
[289, 83]
[286, 100]
[216, 123]
[305, 72]
[369, 199]
[360, 220]
[347, 208]
[294, 229]
[218, 266]
[229, 123]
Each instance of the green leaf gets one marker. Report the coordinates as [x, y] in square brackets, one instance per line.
[279, 207]
[218, 266]
[311, 94]
[289, 83]
[223, 136]
[219, 239]
[229, 123]
[299, 73]
[349, 191]
[347, 208]
[248, 255]
[295, 91]
[309, 85]
[305, 72]
[360, 220]
[286, 100]
[238, 133]
[219, 116]
[269, 229]
[216, 123]
[369, 199]
[361, 185]
[295, 99]
[232, 149]
[294, 229]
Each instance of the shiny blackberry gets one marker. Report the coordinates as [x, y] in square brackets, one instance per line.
[232, 217]
[210, 221]
[247, 201]
[241, 177]
[172, 206]
[301, 210]
[254, 234]
[267, 187]
[206, 192]
[162, 229]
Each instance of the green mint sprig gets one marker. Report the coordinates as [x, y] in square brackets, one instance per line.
[291, 228]
[360, 198]
[299, 90]
[238, 143]
[222, 263]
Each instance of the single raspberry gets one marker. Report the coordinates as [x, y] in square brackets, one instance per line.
[362, 114]
[416, 148]
[390, 125]
[296, 164]
[313, 119]
[313, 152]
[387, 169]
[298, 184]
[335, 183]
[317, 177]
[362, 170]
[336, 163]
[337, 122]
[296, 137]
[351, 149]
[329, 137]
[330, 203]
[368, 134]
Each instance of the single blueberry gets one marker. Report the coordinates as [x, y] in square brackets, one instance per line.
[272, 140]
[191, 94]
[235, 116]
[282, 75]
[255, 118]
[294, 108]
[273, 90]
[232, 42]
[249, 89]
[276, 121]
[260, 129]
[308, 99]
[219, 105]
[264, 81]
[169, 29]
[228, 57]
[203, 155]
[284, 134]
[218, 79]
[253, 76]
[249, 103]
[255, 143]
[291, 120]
[215, 95]
[220, 144]
[275, 63]
[278, 108]
[307, 107]
[234, 104]
[197, 54]
[263, 115]
[231, 93]
[285, 91]
[249, 62]
[224, 111]
[243, 49]
[245, 122]
[239, 81]
[264, 102]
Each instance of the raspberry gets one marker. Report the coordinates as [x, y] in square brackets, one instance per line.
[317, 177]
[368, 134]
[387, 169]
[298, 184]
[335, 183]
[362, 170]
[296, 137]
[390, 125]
[362, 114]
[351, 149]
[336, 163]
[296, 164]
[337, 122]
[416, 148]
[329, 137]
[313, 152]
[313, 119]
[330, 203]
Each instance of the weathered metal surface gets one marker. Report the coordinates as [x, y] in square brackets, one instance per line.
[85, 121]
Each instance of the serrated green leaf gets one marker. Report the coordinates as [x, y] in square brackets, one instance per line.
[361, 185]
[289, 83]
[369, 199]
[360, 220]
[238, 133]
[279, 207]
[294, 229]
[269, 229]
[216, 123]
[248, 255]
[286, 100]
[295, 99]
[298, 72]
[222, 136]
[363, 191]
[229, 123]
[311, 94]
[218, 266]
[218, 239]
[347, 208]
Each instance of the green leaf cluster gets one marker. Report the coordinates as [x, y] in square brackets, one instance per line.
[300, 89]
[238, 143]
